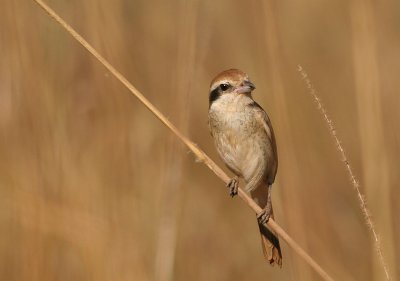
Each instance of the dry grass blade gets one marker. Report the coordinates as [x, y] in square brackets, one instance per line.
[198, 152]
[354, 181]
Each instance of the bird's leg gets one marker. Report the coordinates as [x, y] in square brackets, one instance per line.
[233, 186]
[264, 215]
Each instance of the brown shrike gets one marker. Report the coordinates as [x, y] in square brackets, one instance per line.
[245, 140]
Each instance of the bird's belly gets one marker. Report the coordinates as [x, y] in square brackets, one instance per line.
[241, 146]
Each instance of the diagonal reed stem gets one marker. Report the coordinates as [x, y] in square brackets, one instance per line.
[200, 154]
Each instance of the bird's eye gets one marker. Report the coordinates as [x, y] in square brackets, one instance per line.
[224, 86]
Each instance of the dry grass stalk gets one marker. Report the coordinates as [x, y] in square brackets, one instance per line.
[201, 155]
[289, 161]
[353, 179]
[171, 205]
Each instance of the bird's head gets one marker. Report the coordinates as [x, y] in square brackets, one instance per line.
[232, 81]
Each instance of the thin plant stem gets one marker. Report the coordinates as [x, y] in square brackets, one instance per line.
[353, 179]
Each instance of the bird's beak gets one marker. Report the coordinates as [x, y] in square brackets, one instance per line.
[245, 87]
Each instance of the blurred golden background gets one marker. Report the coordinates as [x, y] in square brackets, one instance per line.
[93, 187]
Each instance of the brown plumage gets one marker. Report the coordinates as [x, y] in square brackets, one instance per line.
[245, 140]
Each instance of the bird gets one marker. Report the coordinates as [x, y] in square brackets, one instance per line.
[245, 140]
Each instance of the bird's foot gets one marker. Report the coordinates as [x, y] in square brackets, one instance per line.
[233, 186]
[264, 215]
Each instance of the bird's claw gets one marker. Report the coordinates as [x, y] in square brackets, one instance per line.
[264, 215]
[233, 186]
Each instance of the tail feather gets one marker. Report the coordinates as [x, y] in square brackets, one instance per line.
[269, 239]
[270, 245]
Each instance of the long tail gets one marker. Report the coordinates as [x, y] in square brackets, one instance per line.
[270, 245]
[269, 239]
